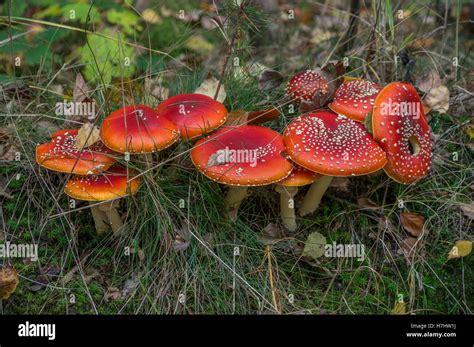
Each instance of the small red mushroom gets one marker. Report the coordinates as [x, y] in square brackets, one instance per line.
[287, 188]
[355, 99]
[62, 155]
[400, 127]
[331, 145]
[109, 185]
[304, 85]
[241, 157]
[193, 114]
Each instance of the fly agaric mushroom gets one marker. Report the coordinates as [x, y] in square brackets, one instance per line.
[304, 85]
[287, 188]
[355, 99]
[399, 125]
[138, 129]
[193, 114]
[241, 157]
[108, 186]
[62, 155]
[331, 145]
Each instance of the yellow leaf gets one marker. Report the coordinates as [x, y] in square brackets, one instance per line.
[470, 131]
[199, 45]
[400, 307]
[150, 16]
[8, 281]
[460, 249]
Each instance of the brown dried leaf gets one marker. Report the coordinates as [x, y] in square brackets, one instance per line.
[366, 203]
[468, 210]
[209, 87]
[412, 222]
[271, 234]
[87, 135]
[428, 81]
[408, 248]
[269, 80]
[8, 281]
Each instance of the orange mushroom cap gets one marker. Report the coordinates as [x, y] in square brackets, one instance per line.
[355, 99]
[332, 145]
[108, 185]
[304, 85]
[400, 127]
[193, 114]
[247, 155]
[61, 154]
[299, 177]
[138, 129]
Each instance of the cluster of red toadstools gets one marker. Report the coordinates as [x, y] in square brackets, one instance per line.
[364, 128]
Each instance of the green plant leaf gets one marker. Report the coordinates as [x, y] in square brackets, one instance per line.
[127, 20]
[110, 58]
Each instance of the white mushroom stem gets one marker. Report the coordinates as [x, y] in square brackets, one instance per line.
[233, 199]
[287, 206]
[114, 219]
[313, 197]
[99, 218]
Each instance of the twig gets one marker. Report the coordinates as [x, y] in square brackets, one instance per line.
[231, 48]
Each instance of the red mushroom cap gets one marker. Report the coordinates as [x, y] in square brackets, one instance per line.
[299, 177]
[332, 145]
[193, 114]
[61, 154]
[247, 155]
[108, 185]
[304, 85]
[355, 99]
[138, 129]
[400, 127]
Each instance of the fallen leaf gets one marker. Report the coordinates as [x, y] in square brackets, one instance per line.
[438, 99]
[150, 16]
[237, 117]
[199, 45]
[468, 210]
[87, 135]
[79, 96]
[8, 281]
[180, 244]
[112, 293]
[8, 150]
[366, 203]
[314, 246]
[400, 308]
[470, 131]
[412, 222]
[269, 80]
[271, 234]
[460, 249]
[209, 87]
[428, 81]
[407, 248]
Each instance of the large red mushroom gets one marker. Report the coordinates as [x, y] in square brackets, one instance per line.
[241, 157]
[331, 145]
[193, 114]
[399, 125]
